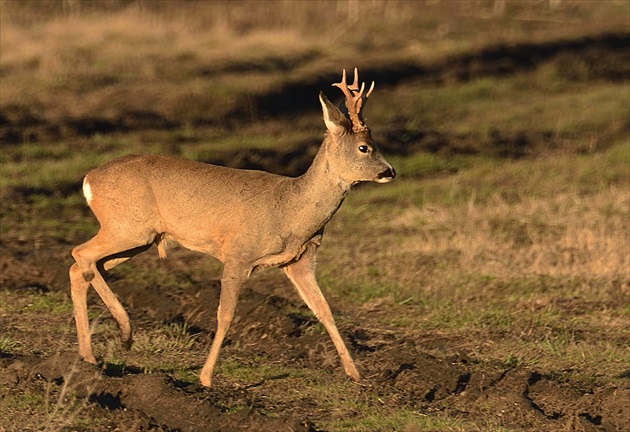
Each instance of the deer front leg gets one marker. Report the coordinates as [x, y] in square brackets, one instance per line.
[302, 274]
[231, 283]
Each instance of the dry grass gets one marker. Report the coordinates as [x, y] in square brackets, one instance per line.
[558, 217]
[71, 60]
[568, 235]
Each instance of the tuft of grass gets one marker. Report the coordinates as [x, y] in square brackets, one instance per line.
[255, 370]
[10, 345]
[171, 338]
[55, 303]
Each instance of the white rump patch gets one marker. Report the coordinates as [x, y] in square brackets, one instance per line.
[87, 191]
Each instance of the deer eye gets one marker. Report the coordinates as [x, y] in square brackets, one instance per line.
[364, 149]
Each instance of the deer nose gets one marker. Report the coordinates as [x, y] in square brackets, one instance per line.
[388, 174]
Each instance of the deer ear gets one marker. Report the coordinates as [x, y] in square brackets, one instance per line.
[335, 121]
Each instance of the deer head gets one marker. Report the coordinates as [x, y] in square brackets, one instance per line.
[357, 157]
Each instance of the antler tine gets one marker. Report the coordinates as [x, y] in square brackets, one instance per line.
[361, 90]
[343, 85]
[364, 98]
[355, 84]
[370, 90]
[359, 99]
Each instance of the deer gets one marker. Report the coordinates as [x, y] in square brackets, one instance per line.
[247, 219]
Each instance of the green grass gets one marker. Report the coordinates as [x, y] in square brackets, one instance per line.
[8, 344]
[524, 102]
[255, 370]
[480, 179]
[169, 339]
[34, 303]
[406, 420]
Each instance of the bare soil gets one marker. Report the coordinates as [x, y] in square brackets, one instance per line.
[431, 375]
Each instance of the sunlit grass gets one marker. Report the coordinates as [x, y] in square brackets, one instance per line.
[533, 255]
[522, 103]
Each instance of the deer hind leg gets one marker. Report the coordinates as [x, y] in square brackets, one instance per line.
[231, 283]
[302, 274]
[78, 292]
[100, 252]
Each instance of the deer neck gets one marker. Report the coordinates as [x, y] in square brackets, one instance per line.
[320, 191]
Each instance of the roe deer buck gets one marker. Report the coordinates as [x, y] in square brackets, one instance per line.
[246, 219]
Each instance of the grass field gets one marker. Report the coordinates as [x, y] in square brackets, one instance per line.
[486, 288]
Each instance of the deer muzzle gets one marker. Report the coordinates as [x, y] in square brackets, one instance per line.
[387, 175]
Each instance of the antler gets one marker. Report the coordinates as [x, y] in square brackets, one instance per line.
[355, 99]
